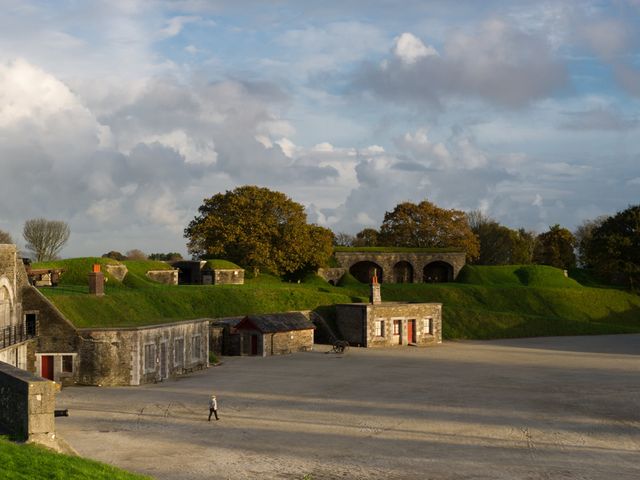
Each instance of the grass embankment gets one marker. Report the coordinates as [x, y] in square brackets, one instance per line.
[25, 461]
[485, 302]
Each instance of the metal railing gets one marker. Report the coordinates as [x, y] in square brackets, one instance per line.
[18, 333]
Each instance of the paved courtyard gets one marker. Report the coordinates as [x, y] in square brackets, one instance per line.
[548, 408]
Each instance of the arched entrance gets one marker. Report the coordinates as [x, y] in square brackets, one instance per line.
[437, 272]
[363, 271]
[6, 302]
[403, 272]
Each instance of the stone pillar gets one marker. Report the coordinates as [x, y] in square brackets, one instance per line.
[96, 281]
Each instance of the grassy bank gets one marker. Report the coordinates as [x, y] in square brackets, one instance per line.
[486, 302]
[21, 461]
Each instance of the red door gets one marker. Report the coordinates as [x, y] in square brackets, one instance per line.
[47, 367]
[254, 344]
[411, 331]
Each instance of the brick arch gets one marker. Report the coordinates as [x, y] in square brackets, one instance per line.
[437, 271]
[364, 269]
[403, 272]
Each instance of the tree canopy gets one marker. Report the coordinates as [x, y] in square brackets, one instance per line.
[555, 248]
[367, 237]
[5, 237]
[500, 245]
[45, 238]
[257, 227]
[614, 246]
[426, 225]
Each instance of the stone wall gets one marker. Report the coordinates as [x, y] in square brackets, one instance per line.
[27, 404]
[167, 277]
[223, 276]
[117, 271]
[332, 275]
[116, 356]
[282, 343]
[387, 260]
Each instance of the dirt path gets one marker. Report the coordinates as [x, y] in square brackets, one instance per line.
[548, 408]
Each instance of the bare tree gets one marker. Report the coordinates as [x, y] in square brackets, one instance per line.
[45, 238]
[5, 237]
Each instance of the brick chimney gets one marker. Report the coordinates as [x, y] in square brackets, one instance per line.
[96, 281]
[374, 292]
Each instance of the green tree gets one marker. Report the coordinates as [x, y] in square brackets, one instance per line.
[584, 235]
[45, 238]
[427, 225]
[166, 257]
[114, 255]
[615, 245]
[555, 248]
[367, 237]
[496, 241]
[524, 243]
[257, 227]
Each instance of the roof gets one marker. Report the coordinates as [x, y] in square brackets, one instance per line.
[276, 322]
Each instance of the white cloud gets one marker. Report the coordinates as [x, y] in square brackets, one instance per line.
[175, 25]
[409, 49]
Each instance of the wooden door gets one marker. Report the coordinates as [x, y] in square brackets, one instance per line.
[47, 367]
[254, 344]
[411, 331]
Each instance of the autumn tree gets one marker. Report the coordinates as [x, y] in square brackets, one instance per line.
[524, 243]
[136, 254]
[257, 227]
[45, 238]
[555, 248]
[615, 245]
[429, 226]
[367, 237]
[5, 237]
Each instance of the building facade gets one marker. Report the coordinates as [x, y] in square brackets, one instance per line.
[275, 334]
[389, 324]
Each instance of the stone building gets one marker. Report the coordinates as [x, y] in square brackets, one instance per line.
[198, 272]
[18, 319]
[397, 267]
[386, 324]
[275, 334]
[138, 355]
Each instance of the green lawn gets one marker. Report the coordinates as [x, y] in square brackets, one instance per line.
[486, 302]
[25, 461]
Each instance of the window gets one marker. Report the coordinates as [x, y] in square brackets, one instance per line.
[30, 320]
[67, 363]
[196, 347]
[149, 357]
[396, 327]
[378, 328]
[178, 352]
[428, 326]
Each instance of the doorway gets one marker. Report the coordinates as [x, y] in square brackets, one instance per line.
[411, 331]
[254, 344]
[47, 367]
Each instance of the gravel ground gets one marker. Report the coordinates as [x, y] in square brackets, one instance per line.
[541, 408]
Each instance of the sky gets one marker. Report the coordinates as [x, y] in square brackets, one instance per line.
[120, 116]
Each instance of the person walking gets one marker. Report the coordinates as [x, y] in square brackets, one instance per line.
[213, 407]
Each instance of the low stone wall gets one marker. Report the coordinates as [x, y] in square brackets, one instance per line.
[27, 404]
[117, 271]
[167, 277]
[332, 275]
[228, 276]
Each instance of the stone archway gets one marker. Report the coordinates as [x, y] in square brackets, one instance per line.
[403, 272]
[6, 302]
[437, 272]
[363, 271]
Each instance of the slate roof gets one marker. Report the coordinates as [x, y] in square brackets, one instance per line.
[276, 322]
